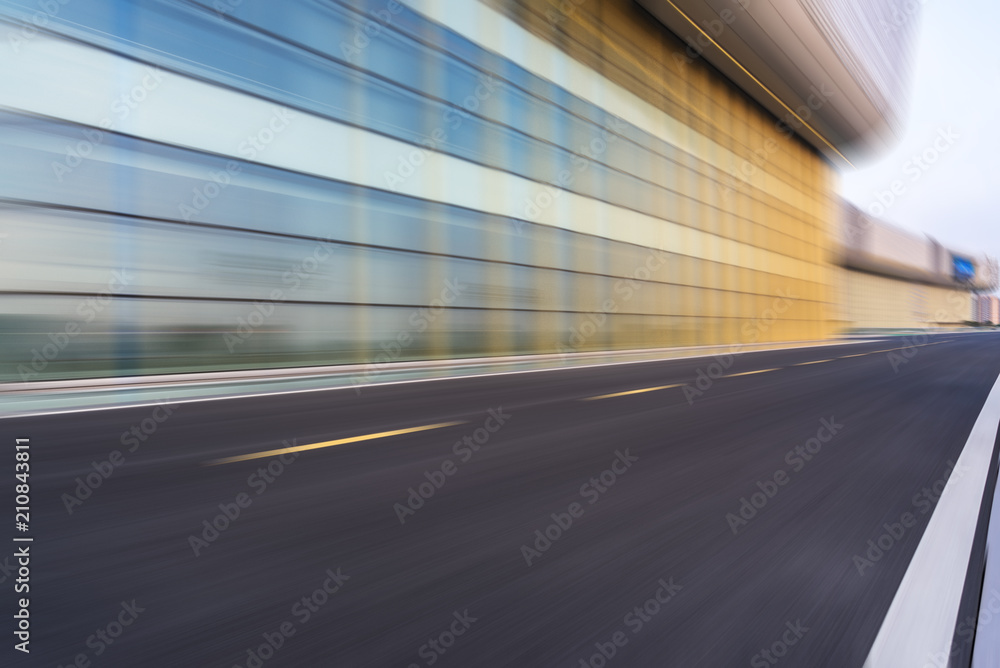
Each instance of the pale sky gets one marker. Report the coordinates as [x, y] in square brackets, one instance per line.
[955, 85]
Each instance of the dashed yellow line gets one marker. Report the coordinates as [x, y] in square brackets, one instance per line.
[750, 373]
[844, 357]
[813, 362]
[622, 394]
[329, 444]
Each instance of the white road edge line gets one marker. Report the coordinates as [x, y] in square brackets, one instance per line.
[919, 627]
[986, 648]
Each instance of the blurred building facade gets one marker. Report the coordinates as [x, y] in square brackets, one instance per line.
[987, 309]
[889, 278]
[210, 185]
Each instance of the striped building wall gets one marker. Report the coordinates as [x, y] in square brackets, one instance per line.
[372, 182]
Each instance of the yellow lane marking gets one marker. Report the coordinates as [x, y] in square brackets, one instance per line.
[813, 362]
[750, 373]
[622, 394]
[858, 355]
[329, 444]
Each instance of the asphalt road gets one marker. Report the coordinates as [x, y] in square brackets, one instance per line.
[648, 487]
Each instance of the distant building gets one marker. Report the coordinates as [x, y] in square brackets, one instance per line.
[890, 278]
[987, 309]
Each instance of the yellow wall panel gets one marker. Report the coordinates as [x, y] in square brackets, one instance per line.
[752, 207]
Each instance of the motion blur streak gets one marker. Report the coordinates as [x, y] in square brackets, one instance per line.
[792, 560]
[248, 185]
[219, 182]
[330, 444]
[588, 362]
